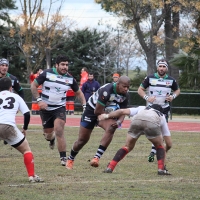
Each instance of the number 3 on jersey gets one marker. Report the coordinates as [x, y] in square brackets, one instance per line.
[9, 101]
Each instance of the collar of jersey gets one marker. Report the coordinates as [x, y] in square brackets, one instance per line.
[157, 76]
[115, 88]
[55, 70]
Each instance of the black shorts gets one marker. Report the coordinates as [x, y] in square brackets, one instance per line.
[89, 119]
[48, 116]
[165, 112]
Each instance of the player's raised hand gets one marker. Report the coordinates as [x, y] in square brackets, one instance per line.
[151, 99]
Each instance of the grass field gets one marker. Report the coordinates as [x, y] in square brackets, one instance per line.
[133, 178]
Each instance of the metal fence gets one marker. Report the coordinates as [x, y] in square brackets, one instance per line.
[78, 105]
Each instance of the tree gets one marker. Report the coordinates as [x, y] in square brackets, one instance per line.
[6, 5]
[87, 48]
[135, 13]
[189, 64]
[39, 33]
[9, 49]
[130, 52]
[148, 18]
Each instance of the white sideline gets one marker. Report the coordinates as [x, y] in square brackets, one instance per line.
[167, 179]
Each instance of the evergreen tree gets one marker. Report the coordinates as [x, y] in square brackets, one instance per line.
[88, 48]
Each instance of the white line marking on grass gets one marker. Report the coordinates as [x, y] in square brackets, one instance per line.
[113, 181]
[124, 129]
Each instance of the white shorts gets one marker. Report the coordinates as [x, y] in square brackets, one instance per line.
[140, 127]
[11, 134]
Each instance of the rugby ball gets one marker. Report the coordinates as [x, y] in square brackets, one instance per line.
[111, 108]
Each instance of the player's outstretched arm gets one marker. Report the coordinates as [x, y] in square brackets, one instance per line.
[114, 114]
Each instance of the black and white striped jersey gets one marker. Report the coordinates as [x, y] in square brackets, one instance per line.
[159, 87]
[16, 87]
[55, 86]
[107, 96]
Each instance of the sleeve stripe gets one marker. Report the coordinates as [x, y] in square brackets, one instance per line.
[101, 103]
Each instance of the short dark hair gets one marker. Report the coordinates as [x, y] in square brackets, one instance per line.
[61, 58]
[91, 73]
[5, 83]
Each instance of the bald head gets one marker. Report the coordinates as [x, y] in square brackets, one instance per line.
[124, 79]
[123, 85]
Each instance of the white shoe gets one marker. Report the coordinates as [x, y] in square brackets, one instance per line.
[33, 179]
[63, 161]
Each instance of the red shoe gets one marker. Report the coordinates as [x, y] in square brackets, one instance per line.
[94, 162]
[69, 164]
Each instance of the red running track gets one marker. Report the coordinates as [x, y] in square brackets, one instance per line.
[173, 126]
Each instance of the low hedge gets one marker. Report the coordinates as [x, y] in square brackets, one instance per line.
[185, 103]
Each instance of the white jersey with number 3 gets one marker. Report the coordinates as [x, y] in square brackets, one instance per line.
[10, 103]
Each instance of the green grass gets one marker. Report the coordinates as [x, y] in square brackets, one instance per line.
[133, 178]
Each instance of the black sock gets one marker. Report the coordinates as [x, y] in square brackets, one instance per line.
[72, 154]
[100, 151]
[63, 154]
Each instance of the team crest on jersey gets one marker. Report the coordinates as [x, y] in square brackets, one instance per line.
[105, 93]
[68, 80]
[168, 83]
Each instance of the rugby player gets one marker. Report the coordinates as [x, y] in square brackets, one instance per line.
[148, 121]
[10, 103]
[160, 85]
[52, 102]
[107, 98]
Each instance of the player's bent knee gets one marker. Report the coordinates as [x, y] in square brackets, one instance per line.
[81, 143]
[168, 147]
[49, 136]
[111, 130]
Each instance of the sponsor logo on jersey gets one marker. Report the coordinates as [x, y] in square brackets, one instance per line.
[57, 89]
[87, 119]
[159, 92]
[52, 77]
[112, 97]
[153, 82]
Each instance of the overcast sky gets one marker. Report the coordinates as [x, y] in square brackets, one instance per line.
[85, 12]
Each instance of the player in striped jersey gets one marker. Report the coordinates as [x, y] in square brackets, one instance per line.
[160, 85]
[55, 83]
[4, 65]
[107, 98]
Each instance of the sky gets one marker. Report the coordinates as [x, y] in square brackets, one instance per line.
[86, 13]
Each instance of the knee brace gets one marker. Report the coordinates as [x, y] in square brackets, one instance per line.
[49, 136]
